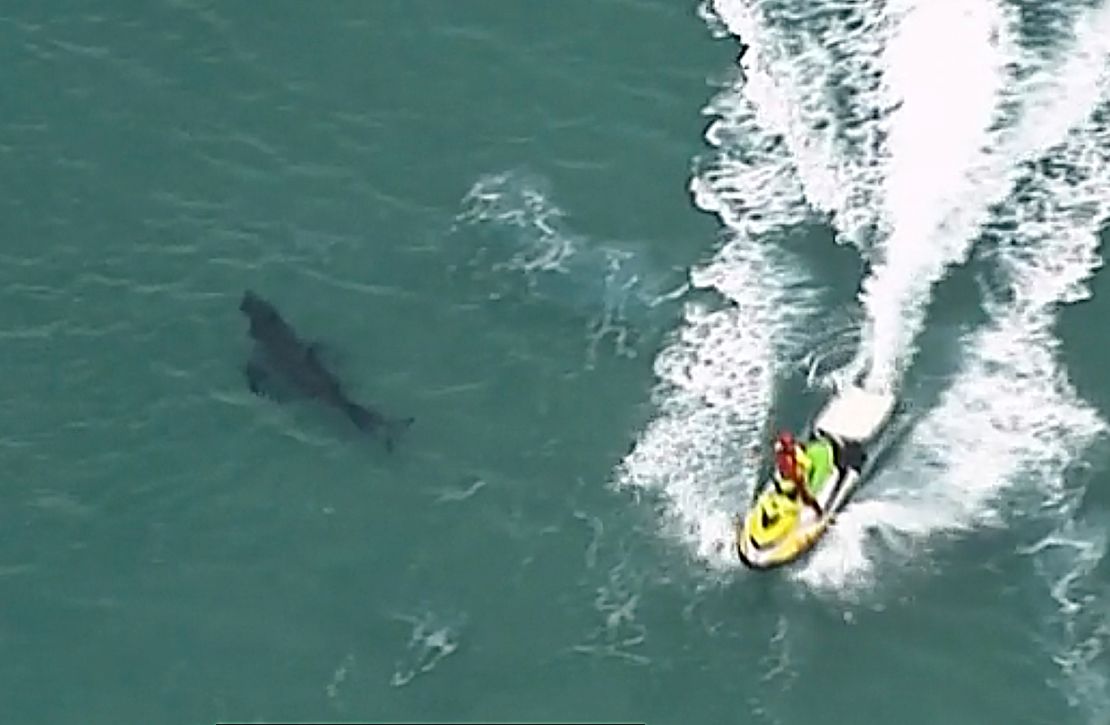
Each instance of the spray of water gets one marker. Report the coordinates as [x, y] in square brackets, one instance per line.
[924, 154]
[716, 375]
[813, 78]
[982, 123]
[926, 169]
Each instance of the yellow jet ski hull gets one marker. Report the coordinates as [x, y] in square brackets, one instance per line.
[777, 531]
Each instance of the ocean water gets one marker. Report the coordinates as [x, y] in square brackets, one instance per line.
[597, 260]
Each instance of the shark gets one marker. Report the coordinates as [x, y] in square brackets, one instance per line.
[283, 361]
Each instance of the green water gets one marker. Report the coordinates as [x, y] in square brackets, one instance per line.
[174, 549]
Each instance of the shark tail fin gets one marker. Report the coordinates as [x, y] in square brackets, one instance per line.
[369, 421]
[394, 428]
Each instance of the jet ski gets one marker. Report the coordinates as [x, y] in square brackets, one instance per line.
[842, 442]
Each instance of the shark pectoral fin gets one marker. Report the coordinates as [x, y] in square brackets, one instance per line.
[263, 383]
[257, 376]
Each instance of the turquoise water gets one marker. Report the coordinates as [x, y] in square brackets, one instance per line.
[592, 261]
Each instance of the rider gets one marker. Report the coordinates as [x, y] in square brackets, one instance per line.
[794, 469]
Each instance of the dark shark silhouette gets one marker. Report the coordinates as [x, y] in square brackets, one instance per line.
[282, 360]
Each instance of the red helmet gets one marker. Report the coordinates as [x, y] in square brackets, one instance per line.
[785, 441]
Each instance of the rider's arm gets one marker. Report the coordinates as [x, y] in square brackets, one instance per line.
[809, 499]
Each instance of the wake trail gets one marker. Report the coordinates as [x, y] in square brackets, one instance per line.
[958, 142]
[1016, 424]
[814, 77]
[924, 154]
[1010, 403]
[715, 377]
[786, 147]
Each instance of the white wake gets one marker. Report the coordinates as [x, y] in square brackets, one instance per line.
[957, 148]
[915, 154]
[716, 374]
